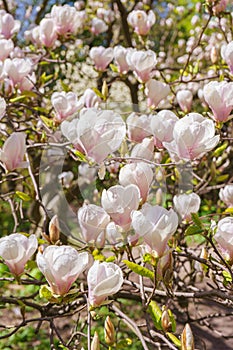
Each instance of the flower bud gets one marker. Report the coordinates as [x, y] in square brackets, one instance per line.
[95, 344]
[204, 254]
[214, 55]
[165, 320]
[54, 230]
[187, 340]
[109, 331]
[105, 90]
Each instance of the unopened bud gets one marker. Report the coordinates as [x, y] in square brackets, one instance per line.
[109, 331]
[165, 321]
[104, 90]
[159, 196]
[102, 171]
[204, 253]
[54, 230]
[95, 344]
[187, 340]
[214, 55]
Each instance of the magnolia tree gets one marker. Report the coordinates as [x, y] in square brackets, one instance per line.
[116, 174]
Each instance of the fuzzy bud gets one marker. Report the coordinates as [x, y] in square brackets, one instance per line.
[54, 230]
[104, 90]
[95, 344]
[165, 321]
[187, 340]
[109, 331]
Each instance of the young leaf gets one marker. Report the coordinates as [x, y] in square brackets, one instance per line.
[174, 339]
[139, 270]
[156, 314]
[196, 220]
[25, 197]
[193, 230]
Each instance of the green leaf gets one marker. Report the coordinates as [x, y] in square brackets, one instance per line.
[98, 93]
[174, 339]
[193, 230]
[45, 78]
[18, 98]
[196, 220]
[220, 150]
[46, 293]
[228, 211]
[140, 270]
[111, 259]
[114, 68]
[79, 155]
[222, 178]
[64, 86]
[29, 93]
[47, 121]
[156, 314]
[25, 197]
[227, 276]
[172, 320]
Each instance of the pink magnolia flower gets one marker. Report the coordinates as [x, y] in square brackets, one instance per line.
[141, 21]
[93, 221]
[90, 99]
[33, 35]
[224, 237]
[106, 14]
[65, 104]
[138, 126]
[142, 63]
[61, 266]
[8, 25]
[162, 125]
[156, 225]
[156, 91]
[185, 99]
[120, 54]
[103, 279]
[97, 133]
[47, 31]
[66, 19]
[101, 57]
[17, 69]
[220, 6]
[6, 47]
[219, 96]
[226, 195]
[144, 150]
[98, 26]
[12, 153]
[185, 204]
[227, 54]
[2, 107]
[193, 136]
[114, 234]
[119, 202]
[16, 249]
[139, 174]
